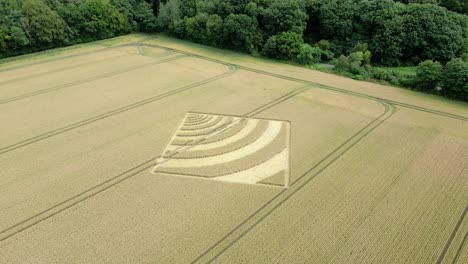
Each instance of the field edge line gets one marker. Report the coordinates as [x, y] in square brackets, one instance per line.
[61, 130]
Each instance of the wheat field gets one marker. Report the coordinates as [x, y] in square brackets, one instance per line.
[148, 149]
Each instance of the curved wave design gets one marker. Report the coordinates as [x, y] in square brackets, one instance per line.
[228, 148]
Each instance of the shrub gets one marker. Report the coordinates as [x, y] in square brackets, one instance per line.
[308, 55]
[324, 44]
[455, 79]
[284, 46]
[428, 75]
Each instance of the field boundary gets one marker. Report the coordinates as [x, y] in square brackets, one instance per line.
[62, 206]
[91, 192]
[86, 80]
[34, 75]
[98, 43]
[140, 53]
[113, 112]
[318, 85]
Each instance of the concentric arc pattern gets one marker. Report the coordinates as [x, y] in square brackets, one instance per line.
[228, 148]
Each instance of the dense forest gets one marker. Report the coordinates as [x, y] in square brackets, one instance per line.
[353, 35]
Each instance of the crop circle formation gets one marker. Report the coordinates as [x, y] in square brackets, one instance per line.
[228, 148]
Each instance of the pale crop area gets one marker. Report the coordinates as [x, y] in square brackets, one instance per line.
[148, 149]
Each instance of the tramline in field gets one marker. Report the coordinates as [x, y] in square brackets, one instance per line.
[147, 149]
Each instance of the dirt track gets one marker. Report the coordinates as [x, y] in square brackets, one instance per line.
[377, 174]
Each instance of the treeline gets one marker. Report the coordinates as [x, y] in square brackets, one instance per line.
[31, 25]
[353, 35]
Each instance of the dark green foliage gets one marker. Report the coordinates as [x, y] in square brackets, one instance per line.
[428, 74]
[308, 55]
[144, 18]
[98, 19]
[155, 4]
[284, 46]
[455, 79]
[43, 25]
[170, 18]
[241, 33]
[357, 62]
[336, 19]
[326, 53]
[188, 8]
[380, 24]
[30, 25]
[342, 32]
[431, 33]
[284, 15]
[395, 77]
[460, 6]
[204, 28]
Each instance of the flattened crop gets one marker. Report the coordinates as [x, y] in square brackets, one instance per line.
[245, 150]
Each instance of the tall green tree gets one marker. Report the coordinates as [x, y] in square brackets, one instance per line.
[284, 15]
[284, 46]
[337, 19]
[379, 23]
[241, 33]
[44, 27]
[431, 32]
[428, 74]
[455, 79]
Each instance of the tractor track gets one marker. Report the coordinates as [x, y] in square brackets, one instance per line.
[279, 199]
[102, 76]
[264, 211]
[101, 187]
[318, 85]
[442, 255]
[111, 113]
[102, 45]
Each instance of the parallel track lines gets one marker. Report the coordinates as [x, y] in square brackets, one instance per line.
[70, 84]
[56, 209]
[244, 227]
[40, 74]
[452, 236]
[258, 216]
[103, 48]
[318, 85]
[111, 113]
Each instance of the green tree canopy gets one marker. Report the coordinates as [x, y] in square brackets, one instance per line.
[284, 15]
[431, 33]
[45, 27]
[455, 79]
